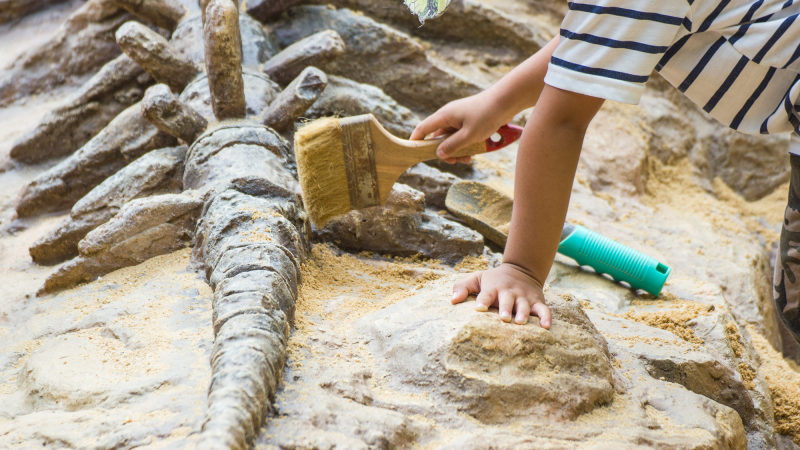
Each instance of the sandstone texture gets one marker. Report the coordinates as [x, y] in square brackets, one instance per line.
[344, 97]
[315, 50]
[391, 60]
[402, 227]
[157, 172]
[11, 10]
[163, 287]
[79, 48]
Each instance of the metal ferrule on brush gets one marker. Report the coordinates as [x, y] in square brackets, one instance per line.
[359, 159]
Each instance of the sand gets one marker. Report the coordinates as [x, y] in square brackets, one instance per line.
[676, 185]
[673, 317]
[783, 378]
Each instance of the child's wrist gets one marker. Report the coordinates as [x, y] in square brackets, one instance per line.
[505, 105]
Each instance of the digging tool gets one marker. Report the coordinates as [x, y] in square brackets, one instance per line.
[488, 211]
[352, 163]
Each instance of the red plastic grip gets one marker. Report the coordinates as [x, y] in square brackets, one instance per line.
[508, 135]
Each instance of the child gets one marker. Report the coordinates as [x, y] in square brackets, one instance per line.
[738, 59]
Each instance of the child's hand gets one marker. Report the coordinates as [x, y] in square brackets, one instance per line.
[470, 119]
[508, 288]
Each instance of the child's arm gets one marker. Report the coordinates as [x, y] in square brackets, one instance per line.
[546, 164]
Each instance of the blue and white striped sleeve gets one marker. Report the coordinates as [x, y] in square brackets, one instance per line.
[609, 48]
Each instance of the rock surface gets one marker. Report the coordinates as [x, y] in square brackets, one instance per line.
[117, 86]
[260, 91]
[80, 47]
[126, 138]
[143, 229]
[156, 55]
[402, 227]
[493, 372]
[375, 356]
[171, 115]
[315, 50]
[430, 181]
[379, 55]
[345, 97]
[15, 9]
[295, 99]
[398, 369]
[118, 363]
[158, 172]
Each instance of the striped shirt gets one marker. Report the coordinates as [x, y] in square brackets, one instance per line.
[738, 59]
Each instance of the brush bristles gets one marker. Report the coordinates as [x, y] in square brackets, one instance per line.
[321, 169]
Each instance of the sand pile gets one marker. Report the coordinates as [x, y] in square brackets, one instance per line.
[783, 379]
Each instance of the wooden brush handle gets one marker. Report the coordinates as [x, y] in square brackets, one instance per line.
[429, 146]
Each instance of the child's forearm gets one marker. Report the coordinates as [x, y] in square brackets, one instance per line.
[520, 89]
[546, 163]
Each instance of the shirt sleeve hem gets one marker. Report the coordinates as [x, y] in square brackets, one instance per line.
[593, 85]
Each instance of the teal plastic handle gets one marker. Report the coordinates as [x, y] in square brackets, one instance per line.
[606, 256]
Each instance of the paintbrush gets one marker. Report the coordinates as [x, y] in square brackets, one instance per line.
[352, 163]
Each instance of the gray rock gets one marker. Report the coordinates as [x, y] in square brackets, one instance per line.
[402, 227]
[156, 55]
[258, 45]
[269, 10]
[158, 172]
[379, 55]
[295, 99]
[118, 85]
[80, 47]
[732, 157]
[11, 10]
[171, 115]
[785, 443]
[259, 90]
[250, 241]
[248, 354]
[144, 228]
[161, 13]
[344, 97]
[679, 127]
[223, 49]
[61, 243]
[315, 50]
[234, 150]
[233, 219]
[136, 217]
[125, 139]
[335, 422]
[491, 370]
[430, 181]
[722, 354]
[257, 256]
[672, 135]
[696, 370]
[478, 23]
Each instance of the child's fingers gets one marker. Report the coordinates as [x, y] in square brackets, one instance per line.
[471, 284]
[485, 299]
[433, 123]
[541, 310]
[452, 144]
[506, 302]
[523, 307]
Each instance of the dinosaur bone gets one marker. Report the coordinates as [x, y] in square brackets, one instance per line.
[156, 55]
[163, 13]
[315, 50]
[295, 99]
[224, 59]
[171, 115]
